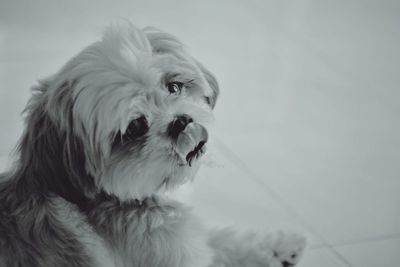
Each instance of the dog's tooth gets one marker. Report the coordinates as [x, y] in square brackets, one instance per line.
[190, 126]
[189, 139]
[185, 143]
[197, 132]
[190, 129]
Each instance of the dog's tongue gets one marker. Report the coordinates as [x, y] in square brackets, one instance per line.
[189, 138]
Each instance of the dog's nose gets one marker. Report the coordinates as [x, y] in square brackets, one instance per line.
[178, 125]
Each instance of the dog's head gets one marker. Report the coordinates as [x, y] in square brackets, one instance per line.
[133, 108]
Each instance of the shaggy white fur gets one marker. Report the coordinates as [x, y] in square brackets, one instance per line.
[122, 122]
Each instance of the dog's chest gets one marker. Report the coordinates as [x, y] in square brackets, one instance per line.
[159, 233]
[164, 234]
[93, 245]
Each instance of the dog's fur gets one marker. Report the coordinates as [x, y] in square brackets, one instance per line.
[101, 146]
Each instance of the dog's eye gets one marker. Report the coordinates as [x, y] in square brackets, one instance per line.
[175, 87]
[136, 129]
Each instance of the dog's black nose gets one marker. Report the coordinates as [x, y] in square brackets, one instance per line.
[178, 125]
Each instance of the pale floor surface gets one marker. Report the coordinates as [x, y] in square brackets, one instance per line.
[308, 123]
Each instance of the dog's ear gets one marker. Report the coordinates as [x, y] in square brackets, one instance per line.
[51, 158]
[212, 82]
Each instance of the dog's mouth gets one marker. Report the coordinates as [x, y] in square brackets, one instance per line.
[191, 143]
[196, 152]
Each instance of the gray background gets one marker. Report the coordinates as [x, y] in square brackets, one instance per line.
[308, 126]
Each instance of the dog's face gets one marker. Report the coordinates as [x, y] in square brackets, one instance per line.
[141, 107]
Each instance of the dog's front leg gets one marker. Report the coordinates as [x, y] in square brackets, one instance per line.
[249, 249]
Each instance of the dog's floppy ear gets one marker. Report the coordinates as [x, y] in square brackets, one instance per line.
[212, 82]
[52, 158]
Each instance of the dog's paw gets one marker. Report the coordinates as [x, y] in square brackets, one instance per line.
[284, 248]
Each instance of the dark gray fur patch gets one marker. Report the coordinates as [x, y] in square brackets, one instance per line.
[31, 235]
[50, 163]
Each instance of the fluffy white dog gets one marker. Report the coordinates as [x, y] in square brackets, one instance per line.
[120, 124]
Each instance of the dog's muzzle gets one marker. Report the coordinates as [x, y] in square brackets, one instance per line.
[189, 138]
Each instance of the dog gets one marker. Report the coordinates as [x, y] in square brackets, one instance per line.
[121, 124]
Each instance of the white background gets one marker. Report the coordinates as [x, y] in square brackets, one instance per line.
[308, 127]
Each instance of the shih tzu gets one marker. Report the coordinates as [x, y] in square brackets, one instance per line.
[123, 122]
